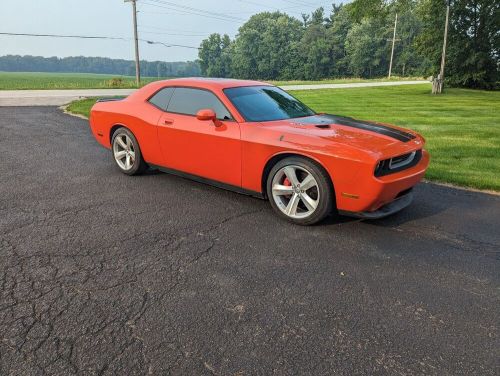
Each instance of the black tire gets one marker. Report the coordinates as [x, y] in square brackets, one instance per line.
[138, 165]
[323, 190]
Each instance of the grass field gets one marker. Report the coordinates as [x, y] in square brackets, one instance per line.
[42, 81]
[462, 127]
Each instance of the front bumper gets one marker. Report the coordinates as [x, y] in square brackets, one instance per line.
[386, 210]
[378, 195]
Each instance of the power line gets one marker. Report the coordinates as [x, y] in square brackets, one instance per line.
[174, 34]
[193, 11]
[64, 36]
[282, 9]
[188, 8]
[188, 13]
[168, 29]
[96, 37]
[258, 4]
[169, 44]
[300, 3]
[286, 9]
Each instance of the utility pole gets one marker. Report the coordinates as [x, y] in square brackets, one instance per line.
[393, 42]
[443, 56]
[438, 83]
[136, 42]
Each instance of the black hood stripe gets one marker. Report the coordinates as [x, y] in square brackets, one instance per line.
[359, 124]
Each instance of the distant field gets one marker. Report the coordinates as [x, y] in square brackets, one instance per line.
[47, 81]
[462, 127]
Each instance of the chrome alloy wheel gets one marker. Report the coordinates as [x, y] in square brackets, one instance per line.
[123, 151]
[295, 191]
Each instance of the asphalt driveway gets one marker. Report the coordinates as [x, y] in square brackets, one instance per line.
[101, 273]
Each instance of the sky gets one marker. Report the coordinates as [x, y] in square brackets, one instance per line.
[185, 22]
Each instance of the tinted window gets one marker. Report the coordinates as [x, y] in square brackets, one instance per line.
[189, 101]
[162, 98]
[266, 103]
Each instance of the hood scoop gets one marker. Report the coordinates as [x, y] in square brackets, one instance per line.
[322, 126]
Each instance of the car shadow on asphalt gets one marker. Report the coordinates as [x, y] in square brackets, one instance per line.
[432, 199]
[423, 206]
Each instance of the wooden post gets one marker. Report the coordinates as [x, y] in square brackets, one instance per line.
[438, 83]
[393, 41]
[443, 55]
[136, 42]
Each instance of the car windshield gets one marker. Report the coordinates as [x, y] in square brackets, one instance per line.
[266, 103]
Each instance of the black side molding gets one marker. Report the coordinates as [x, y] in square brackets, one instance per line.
[214, 183]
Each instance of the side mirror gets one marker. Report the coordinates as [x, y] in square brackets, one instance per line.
[206, 114]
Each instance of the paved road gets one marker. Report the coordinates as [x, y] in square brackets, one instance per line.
[351, 85]
[61, 97]
[106, 274]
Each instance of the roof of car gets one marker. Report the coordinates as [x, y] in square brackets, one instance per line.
[207, 83]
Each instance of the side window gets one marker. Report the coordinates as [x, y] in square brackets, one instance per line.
[161, 98]
[189, 101]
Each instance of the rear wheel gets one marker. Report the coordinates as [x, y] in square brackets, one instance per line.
[126, 152]
[300, 191]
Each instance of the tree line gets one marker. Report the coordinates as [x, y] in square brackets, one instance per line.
[355, 39]
[81, 64]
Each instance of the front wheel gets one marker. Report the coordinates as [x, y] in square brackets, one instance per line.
[300, 191]
[126, 152]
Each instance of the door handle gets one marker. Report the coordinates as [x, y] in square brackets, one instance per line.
[168, 121]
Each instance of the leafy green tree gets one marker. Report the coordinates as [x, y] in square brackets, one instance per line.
[355, 39]
[407, 60]
[266, 47]
[214, 56]
[315, 53]
[318, 16]
[339, 25]
[367, 48]
[81, 64]
[360, 9]
[473, 50]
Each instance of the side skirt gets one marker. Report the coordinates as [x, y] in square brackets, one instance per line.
[214, 183]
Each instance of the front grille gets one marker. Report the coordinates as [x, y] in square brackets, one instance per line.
[398, 163]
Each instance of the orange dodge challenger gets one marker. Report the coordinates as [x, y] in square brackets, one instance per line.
[257, 139]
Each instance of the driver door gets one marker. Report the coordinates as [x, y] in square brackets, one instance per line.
[200, 147]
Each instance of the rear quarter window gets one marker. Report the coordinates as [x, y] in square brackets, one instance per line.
[161, 98]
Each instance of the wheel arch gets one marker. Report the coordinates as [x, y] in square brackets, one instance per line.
[113, 130]
[280, 156]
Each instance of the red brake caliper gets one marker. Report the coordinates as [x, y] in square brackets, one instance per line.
[287, 182]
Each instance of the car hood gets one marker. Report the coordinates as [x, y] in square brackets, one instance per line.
[323, 130]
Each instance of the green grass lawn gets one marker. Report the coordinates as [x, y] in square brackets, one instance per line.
[81, 107]
[42, 81]
[462, 127]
